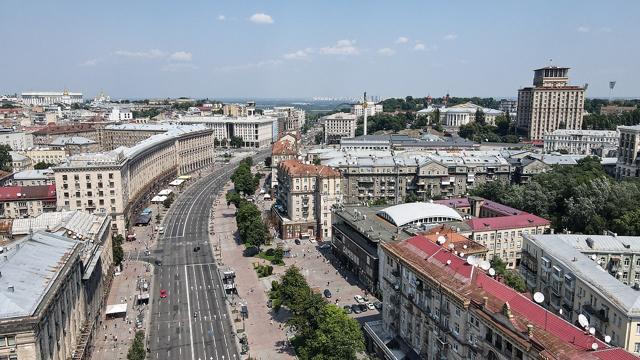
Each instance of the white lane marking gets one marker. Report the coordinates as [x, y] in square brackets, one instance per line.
[224, 337]
[215, 347]
[186, 279]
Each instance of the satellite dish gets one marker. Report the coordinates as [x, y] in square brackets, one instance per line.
[607, 339]
[451, 246]
[461, 254]
[594, 346]
[464, 246]
[582, 320]
[593, 257]
[485, 265]
[492, 272]
[592, 331]
[538, 297]
[471, 260]
[448, 262]
[441, 239]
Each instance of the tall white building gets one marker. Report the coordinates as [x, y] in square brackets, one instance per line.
[338, 126]
[550, 104]
[118, 114]
[372, 109]
[16, 140]
[51, 97]
[580, 142]
[255, 131]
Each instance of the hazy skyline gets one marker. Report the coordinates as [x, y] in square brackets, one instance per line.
[302, 49]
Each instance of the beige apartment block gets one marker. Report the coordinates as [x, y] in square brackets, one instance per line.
[116, 182]
[550, 104]
[255, 131]
[338, 126]
[305, 196]
[628, 164]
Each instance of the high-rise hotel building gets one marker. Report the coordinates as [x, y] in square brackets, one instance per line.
[550, 104]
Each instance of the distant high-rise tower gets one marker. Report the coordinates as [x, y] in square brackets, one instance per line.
[550, 104]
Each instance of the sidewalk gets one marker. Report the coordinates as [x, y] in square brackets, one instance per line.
[265, 334]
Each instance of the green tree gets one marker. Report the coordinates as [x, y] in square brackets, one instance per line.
[42, 165]
[137, 350]
[318, 138]
[168, 201]
[116, 248]
[236, 142]
[336, 337]
[5, 157]
[480, 117]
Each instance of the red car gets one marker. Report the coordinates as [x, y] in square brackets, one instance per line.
[163, 294]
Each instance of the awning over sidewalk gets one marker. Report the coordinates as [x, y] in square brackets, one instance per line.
[116, 309]
[176, 182]
[158, 199]
[184, 177]
[165, 192]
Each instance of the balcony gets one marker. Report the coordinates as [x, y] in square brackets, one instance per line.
[599, 314]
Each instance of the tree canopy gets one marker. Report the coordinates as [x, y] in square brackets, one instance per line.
[5, 157]
[42, 165]
[580, 198]
[323, 331]
[243, 180]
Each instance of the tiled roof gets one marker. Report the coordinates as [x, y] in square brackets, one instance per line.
[461, 244]
[507, 222]
[555, 335]
[39, 192]
[284, 146]
[64, 129]
[297, 168]
[454, 203]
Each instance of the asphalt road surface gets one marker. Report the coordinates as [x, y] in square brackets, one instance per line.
[191, 322]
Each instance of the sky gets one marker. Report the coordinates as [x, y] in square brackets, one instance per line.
[329, 48]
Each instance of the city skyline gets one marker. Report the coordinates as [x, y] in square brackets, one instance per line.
[282, 50]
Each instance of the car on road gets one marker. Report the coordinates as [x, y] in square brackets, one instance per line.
[327, 293]
[378, 305]
[196, 249]
[297, 241]
[158, 262]
[160, 229]
[370, 306]
[347, 309]
[195, 314]
[356, 308]
[363, 307]
[359, 299]
[163, 294]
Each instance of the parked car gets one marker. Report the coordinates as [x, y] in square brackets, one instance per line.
[327, 293]
[370, 306]
[347, 309]
[359, 299]
[158, 262]
[378, 305]
[196, 249]
[297, 241]
[163, 294]
[356, 308]
[324, 246]
[363, 307]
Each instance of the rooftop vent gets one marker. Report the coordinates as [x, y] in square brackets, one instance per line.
[11, 288]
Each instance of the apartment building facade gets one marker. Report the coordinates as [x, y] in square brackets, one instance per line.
[439, 306]
[581, 142]
[255, 131]
[550, 104]
[115, 182]
[286, 148]
[305, 197]
[588, 275]
[628, 164]
[338, 126]
[27, 201]
[16, 140]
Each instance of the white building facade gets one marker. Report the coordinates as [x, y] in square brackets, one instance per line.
[51, 97]
[338, 126]
[372, 109]
[255, 131]
[580, 142]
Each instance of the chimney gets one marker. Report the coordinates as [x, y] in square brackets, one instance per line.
[11, 288]
[529, 330]
[485, 301]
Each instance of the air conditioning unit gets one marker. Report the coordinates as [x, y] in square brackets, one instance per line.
[13, 349]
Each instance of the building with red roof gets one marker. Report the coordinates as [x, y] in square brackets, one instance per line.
[440, 306]
[26, 201]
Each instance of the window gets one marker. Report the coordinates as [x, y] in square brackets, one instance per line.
[637, 329]
[456, 328]
[636, 347]
[626, 261]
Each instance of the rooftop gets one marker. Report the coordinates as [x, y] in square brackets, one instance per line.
[38, 192]
[556, 336]
[284, 146]
[459, 243]
[73, 224]
[71, 140]
[29, 271]
[140, 127]
[523, 220]
[567, 132]
[602, 243]
[297, 168]
[403, 214]
[561, 247]
[43, 174]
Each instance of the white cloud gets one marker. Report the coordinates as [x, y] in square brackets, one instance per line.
[342, 47]
[450, 37]
[583, 29]
[222, 18]
[248, 66]
[402, 40]
[89, 63]
[261, 18]
[298, 55]
[151, 54]
[178, 67]
[181, 56]
[419, 47]
[386, 51]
